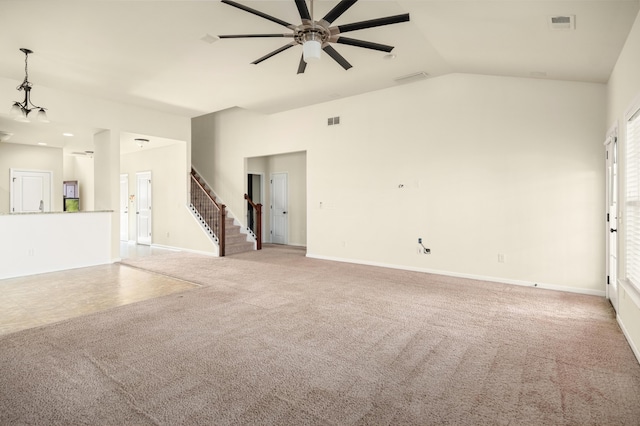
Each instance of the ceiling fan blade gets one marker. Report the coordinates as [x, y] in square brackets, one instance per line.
[255, 35]
[396, 19]
[275, 52]
[302, 65]
[303, 9]
[258, 13]
[336, 56]
[338, 10]
[365, 44]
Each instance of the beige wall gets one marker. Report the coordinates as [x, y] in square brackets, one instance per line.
[172, 223]
[624, 90]
[488, 166]
[17, 156]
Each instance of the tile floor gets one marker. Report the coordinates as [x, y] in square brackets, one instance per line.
[35, 300]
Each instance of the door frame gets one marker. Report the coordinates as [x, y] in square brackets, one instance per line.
[611, 146]
[12, 172]
[272, 210]
[124, 201]
[144, 175]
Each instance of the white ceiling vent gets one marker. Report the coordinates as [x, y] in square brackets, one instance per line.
[562, 22]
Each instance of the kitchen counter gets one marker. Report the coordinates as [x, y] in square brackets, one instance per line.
[35, 243]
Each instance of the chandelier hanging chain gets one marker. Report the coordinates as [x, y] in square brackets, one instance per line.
[26, 82]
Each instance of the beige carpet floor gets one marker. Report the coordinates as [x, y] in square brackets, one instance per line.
[275, 338]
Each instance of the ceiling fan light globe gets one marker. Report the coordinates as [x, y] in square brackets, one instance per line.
[311, 50]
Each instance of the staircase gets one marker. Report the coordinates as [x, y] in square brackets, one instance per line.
[234, 240]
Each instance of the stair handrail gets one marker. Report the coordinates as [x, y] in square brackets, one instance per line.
[220, 208]
[258, 209]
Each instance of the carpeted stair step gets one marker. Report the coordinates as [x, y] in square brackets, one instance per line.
[235, 238]
[235, 241]
[236, 248]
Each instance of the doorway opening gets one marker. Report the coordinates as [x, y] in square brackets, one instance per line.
[284, 196]
[143, 208]
[255, 191]
[124, 207]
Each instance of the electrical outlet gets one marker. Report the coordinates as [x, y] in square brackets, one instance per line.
[419, 240]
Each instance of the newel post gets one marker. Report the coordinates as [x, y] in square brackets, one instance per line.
[259, 226]
[223, 226]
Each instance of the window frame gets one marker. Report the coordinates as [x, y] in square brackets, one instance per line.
[631, 159]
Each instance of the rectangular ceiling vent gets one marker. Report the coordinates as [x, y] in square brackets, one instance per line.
[412, 77]
[562, 22]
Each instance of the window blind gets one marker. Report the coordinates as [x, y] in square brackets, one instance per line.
[632, 203]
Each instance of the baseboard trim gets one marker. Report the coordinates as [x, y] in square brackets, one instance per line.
[206, 253]
[461, 275]
[634, 348]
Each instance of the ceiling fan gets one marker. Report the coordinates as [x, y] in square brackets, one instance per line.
[318, 35]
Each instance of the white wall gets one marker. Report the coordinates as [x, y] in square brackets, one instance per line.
[487, 165]
[173, 225]
[623, 89]
[16, 156]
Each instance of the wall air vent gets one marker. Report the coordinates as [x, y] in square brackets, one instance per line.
[412, 77]
[562, 22]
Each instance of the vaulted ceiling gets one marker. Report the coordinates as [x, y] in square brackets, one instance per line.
[160, 54]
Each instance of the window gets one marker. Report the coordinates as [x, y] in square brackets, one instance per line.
[632, 202]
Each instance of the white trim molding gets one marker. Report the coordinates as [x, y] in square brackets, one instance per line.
[546, 286]
[177, 249]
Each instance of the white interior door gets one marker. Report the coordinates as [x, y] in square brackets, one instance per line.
[279, 207]
[611, 145]
[30, 191]
[143, 208]
[124, 207]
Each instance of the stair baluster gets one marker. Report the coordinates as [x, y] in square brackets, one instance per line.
[211, 214]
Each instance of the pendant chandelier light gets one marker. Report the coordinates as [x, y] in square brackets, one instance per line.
[20, 110]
